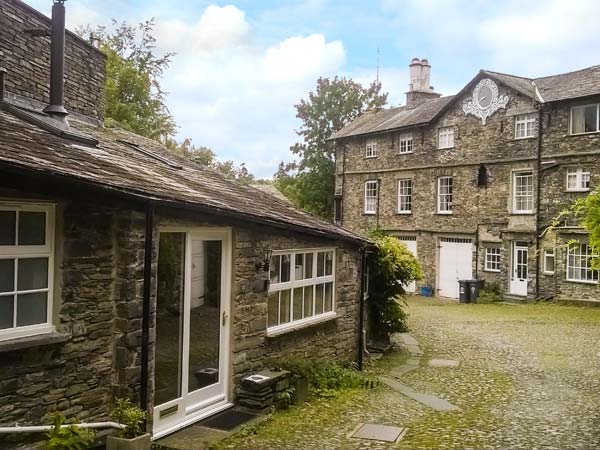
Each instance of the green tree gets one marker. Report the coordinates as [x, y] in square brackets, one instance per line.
[310, 182]
[134, 97]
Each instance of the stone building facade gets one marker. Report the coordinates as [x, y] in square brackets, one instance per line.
[470, 182]
[126, 271]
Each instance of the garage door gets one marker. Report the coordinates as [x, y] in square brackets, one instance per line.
[455, 263]
[411, 243]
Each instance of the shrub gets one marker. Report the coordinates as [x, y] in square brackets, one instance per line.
[131, 416]
[491, 293]
[391, 267]
[69, 437]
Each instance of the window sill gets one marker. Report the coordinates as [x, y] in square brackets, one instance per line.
[548, 273]
[584, 134]
[370, 157]
[582, 282]
[369, 214]
[578, 191]
[444, 213]
[522, 213]
[524, 138]
[305, 323]
[405, 153]
[491, 271]
[37, 340]
[404, 213]
[445, 148]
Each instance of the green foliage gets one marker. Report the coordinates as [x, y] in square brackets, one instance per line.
[391, 267]
[491, 293]
[309, 183]
[71, 437]
[326, 378]
[133, 95]
[207, 157]
[129, 415]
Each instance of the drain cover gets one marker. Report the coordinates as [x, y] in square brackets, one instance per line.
[443, 363]
[378, 432]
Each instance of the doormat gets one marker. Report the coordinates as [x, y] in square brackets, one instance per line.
[378, 432]
[227, 420]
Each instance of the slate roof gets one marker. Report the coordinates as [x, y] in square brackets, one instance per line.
[142, 168]
[580, 83]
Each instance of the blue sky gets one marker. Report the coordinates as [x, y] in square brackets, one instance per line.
[242, 65]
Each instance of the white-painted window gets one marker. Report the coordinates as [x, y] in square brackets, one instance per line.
[445, 195]
[446, 137]
[549, 260]
[302, 288]
[26, 266]
[524, 126]
[405, 196]
[370, 197]
[578, 180]
[579, 264]
[585, 119]
[405, 143]
[371, 148]
[523, 192]
[492, 259]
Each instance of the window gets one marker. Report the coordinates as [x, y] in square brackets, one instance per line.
[406, 143]
[370, 197]
[25, 270]
[524, 126]
[523, 192]
[371, 148]
[404, 196]
[301, 289]
[492, 259]
[585, 119]
[579, 264]
[578, 180]
[549, 260]
[445, 195]
[446, 137]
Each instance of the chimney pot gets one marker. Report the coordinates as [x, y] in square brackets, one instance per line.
[56, 107]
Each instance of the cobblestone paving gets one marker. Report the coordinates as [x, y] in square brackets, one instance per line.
[529, 378]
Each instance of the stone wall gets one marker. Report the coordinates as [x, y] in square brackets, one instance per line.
[27, 59]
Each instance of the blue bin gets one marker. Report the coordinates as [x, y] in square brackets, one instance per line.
[426, 291]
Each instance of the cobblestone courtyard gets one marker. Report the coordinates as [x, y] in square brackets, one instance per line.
[528, 377]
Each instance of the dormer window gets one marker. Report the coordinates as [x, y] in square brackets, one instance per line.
[585, 119]
[405, 143]
[446, 137]
[371, 148]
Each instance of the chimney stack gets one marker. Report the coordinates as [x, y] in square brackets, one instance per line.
[56, 108]
[419, 89]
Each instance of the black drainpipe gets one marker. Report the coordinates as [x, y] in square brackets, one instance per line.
[148, 245]
[361, 313]
[378, 191]
[538, 195]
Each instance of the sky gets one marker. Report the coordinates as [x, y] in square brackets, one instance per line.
[241, 66]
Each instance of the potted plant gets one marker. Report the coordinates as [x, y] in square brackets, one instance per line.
[133, 436]
[68, 436]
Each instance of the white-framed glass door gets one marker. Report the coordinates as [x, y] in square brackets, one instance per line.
[192, 326]
[519, 269]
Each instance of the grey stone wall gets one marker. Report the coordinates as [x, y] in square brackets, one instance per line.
[27, 59]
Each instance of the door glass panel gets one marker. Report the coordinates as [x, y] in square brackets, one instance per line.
[32, 308]
[205, 315]
[32, 228]
[8, 223]
[169, 317]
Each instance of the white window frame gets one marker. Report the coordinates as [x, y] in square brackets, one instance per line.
[520, 194]
[370, 197]
[526, 124]
[405, 188]
[405, 144]
[443, 205]
[581, 176]
[371, 148]
[493, 259]
[292, 284]
[573, 108]
[574, 252]
[31, 251]
[549, 253]
[445, 137]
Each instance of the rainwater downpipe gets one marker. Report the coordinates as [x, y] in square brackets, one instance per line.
[148, 245]
[378, 196]
[538, 208]
[362, 338]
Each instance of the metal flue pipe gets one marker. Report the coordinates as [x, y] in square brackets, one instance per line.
[56, 107]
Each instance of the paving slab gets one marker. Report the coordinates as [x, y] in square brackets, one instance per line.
[413, 361]
[378, 432]
[443, 363]
[408, 339]
[439, 404]
[402, 370]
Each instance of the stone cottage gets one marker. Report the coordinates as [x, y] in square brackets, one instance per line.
[127, 271]
[470, 182]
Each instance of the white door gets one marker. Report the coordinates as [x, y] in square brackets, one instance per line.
[519, 272]
[455, 263]
[411, 244]
[191, 378]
